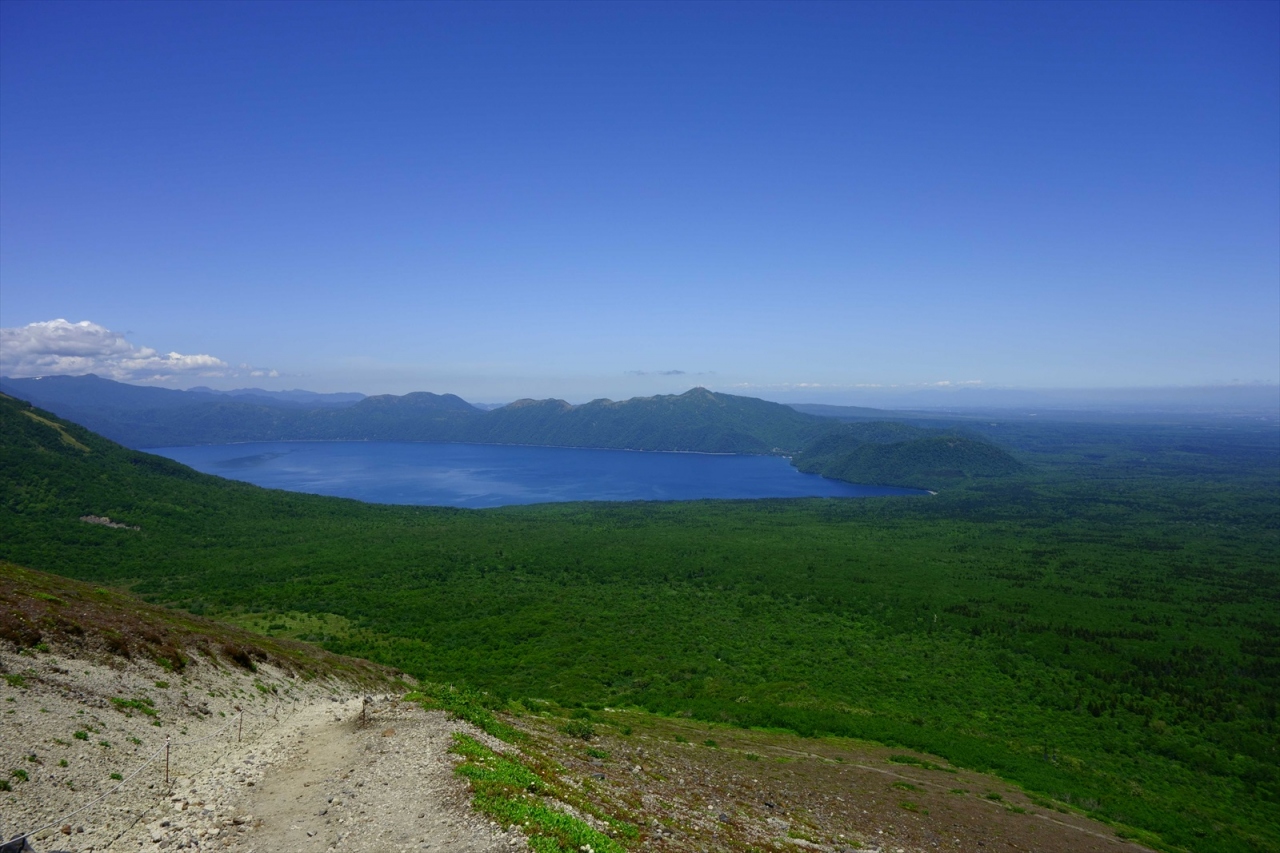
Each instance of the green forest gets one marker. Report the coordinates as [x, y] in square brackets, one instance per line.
[1100, 623]
[898, 454]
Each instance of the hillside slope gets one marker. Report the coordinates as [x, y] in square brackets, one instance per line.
[129, 726]
[895, 454]
[273, 745]
[697, 420]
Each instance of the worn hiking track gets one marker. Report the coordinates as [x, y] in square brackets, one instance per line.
[384, 784]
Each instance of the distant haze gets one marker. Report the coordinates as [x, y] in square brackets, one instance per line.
[856, 203]
[1259, 398]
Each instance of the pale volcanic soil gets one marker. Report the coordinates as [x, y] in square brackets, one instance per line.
[308, 771]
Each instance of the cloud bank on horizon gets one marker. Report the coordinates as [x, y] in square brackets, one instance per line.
[59, 347]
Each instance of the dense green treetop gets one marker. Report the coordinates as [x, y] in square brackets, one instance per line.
[897, 454]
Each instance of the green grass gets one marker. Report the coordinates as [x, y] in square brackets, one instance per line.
[463, 703]
[512, 794]
[919, 762]
[579, 729]
[142, 705]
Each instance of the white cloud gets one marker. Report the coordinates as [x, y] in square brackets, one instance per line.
[55, 347]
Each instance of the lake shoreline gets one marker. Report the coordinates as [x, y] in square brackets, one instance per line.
[477, 475]
[433, 441]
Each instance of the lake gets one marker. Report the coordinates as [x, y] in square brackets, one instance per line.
[489, 475]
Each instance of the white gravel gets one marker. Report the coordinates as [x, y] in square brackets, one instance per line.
[305, 773]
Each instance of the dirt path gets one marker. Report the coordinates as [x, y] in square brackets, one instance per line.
[303, 773]
[386, 785]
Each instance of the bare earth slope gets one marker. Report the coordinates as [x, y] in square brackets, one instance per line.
[254, 755]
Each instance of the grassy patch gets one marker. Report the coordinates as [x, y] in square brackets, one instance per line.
[471, 705]
[918, 762]
[142, 705]
[581, 729]
[511, 793]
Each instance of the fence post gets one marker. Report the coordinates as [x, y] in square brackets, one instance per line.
[240, 732]
[166, 762]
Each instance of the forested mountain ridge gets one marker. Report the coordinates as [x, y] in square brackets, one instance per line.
[93, 392]
[698, 420]
[900, 455]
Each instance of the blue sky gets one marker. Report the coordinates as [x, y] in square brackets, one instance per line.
[795, 201]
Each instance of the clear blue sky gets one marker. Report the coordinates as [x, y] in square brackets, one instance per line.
[578, 200]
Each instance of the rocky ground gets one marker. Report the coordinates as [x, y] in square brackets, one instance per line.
[695, 787]
[307, 766]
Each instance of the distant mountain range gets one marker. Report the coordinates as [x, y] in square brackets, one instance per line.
[296, 395]
[697, 420]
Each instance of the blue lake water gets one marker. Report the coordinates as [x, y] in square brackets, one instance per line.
[487, 475]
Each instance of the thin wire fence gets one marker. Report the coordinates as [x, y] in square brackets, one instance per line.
[94, 802]
[165, 750]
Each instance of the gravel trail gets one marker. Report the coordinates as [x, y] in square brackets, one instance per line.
[308, 771]
[386, 785]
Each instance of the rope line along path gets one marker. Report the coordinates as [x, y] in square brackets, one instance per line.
[238, 721]
[118, 786]
[165, 750]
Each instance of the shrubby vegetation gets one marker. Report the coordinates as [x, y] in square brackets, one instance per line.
[1101, 627]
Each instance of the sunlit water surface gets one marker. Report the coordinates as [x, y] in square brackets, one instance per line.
[488, 475]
